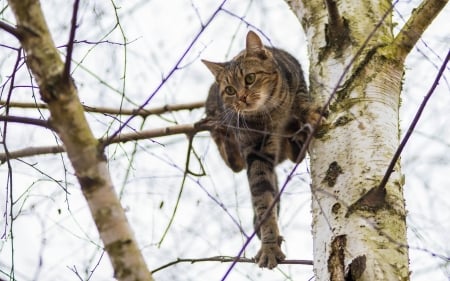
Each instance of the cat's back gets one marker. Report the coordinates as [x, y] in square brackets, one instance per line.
[290, 69]
[213, 104]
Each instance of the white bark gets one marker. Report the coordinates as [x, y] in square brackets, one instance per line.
[362, 140]
[357, 235]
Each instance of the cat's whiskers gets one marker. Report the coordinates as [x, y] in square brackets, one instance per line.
[227, 118]
[242, 126]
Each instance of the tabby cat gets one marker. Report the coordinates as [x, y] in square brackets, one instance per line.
[261, 109]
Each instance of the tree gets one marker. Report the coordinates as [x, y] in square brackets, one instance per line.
[85, 152]
[346, 194]
[359, 223]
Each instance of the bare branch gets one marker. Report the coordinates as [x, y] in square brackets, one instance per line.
[25, 120]
[227, 259]
[420, 19]
[187, 129]
[173, 70]
[73, 27]
[113, 111]
[31, 151]
[9, 216]
[10, 29]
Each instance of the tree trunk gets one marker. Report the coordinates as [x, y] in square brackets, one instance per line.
[359, 228]
[84, 151]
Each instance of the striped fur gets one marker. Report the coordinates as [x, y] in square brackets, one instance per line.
[261, 106]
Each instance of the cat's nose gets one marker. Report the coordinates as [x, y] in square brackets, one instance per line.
[243, 98]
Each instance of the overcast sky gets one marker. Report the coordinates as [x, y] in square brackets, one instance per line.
[54, 236]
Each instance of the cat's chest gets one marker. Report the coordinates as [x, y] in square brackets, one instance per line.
[268, 121]
[255, 130]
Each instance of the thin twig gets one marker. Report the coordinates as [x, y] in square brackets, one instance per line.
[249, 24]
[10, 29]
[180, 191]
[73, 28]
[226, 259]
[9, 181]
[171, 72]
[396, 156]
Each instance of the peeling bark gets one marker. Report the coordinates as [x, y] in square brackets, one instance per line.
[359, 228]
[336, 260]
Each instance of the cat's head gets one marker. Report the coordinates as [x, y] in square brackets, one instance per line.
[247, 80]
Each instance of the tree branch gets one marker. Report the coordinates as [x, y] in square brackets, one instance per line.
[188, 129]
[227, 259]
[73, 27]
[113, 111]
[26, 120]
[10, 29]
[420, 18]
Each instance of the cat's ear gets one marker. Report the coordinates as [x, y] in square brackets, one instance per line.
[214, 67]
[254, 45]
[253, 42]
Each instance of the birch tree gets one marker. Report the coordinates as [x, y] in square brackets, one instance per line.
[356, 71]
[85, 152]
[359, 226]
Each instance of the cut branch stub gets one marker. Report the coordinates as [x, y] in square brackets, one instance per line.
[337, 30]
[373, 200]
[356, 268]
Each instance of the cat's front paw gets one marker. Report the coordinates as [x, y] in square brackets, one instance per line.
[317, 116]
[269, 255]
[209, 123]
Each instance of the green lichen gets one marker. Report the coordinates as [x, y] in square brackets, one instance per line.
[342, 120]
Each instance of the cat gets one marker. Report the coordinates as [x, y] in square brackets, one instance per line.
[262, 112]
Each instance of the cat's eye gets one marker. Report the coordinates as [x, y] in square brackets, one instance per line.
[250, 78]
[230, 90]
